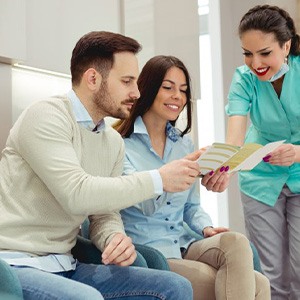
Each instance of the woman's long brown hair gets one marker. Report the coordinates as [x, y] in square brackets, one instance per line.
[149, 82]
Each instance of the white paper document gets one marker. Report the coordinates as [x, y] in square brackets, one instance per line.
[237, 158]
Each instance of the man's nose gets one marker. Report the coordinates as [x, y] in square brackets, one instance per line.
[135, 93]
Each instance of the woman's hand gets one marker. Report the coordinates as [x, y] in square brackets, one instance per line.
[284, 155]
[211, 231]
[216, 182]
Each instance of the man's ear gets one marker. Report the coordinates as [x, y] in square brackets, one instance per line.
[92, 79]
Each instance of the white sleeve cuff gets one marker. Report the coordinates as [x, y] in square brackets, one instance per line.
[157, 182]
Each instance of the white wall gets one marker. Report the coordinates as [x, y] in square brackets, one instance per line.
[29, 87]
[12, 31]
[5, 103]
[53, 27]
[42, 34]
[169, 27]
[12, 49]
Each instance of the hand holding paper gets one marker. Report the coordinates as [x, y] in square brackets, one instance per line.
[284, 155]
[237, 158]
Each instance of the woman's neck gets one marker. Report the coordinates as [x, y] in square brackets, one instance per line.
[157, 132]
[277, 85]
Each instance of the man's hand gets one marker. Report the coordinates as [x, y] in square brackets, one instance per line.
[211, 231]
[196, 154]
[179, 175]
[119, 251]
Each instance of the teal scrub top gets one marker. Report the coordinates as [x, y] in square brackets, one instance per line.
[272, 119]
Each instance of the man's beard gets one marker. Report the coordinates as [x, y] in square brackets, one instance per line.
[107, 106]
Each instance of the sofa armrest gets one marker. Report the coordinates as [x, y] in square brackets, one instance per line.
[10, 287]
[86, 252]
[154, 258]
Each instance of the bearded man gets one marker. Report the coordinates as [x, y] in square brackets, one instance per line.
[62, 163]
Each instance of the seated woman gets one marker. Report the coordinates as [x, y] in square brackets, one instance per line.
[220, 266]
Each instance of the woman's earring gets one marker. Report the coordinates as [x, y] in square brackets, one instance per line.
[286, 60]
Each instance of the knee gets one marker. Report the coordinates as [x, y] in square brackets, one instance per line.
[63, 291]
[263, 288]
[86, 292]
[237, 244]
[183, 287]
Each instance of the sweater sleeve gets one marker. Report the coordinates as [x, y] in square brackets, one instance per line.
[44, 140]
[103, 227]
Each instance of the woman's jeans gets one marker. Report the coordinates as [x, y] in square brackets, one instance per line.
[91, 282]
[221, 267]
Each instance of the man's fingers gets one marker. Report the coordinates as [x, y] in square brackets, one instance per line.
[119, 250]
[126, 258]
[109, 249]
[194, 155]
[178, 175]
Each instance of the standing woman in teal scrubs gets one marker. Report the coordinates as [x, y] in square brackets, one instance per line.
[268, 88]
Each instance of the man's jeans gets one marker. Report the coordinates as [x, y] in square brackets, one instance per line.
[103, 282]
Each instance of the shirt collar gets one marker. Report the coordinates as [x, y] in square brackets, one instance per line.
[172, 133]
[139, 126]
[81, 114]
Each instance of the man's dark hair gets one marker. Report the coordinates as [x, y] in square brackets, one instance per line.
[96, 50]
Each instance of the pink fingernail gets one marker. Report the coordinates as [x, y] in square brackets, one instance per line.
[211, 173]
[222, 169]
[267, 157]
[227, 168]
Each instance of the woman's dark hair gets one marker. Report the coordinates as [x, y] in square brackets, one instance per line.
[96, 49]
[149, 83]
[272, 19]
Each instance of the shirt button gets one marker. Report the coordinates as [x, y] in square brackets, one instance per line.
[172, 227]
[175, 241]
[166, 219]
[168, 202]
